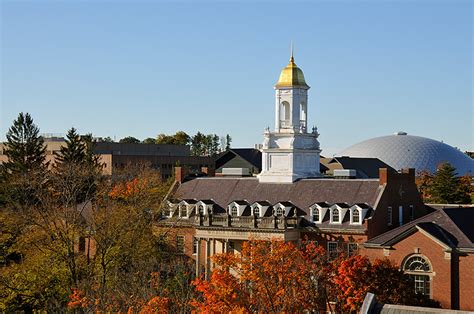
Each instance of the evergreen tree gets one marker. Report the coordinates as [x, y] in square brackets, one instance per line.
[24, 148]
[74, 151]
[447, 188]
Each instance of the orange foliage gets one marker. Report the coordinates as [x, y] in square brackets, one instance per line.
[267, 276]
[156, 305]
[77, 300]
[276, 276]
[129, 189]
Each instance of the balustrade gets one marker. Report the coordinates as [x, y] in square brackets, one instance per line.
[273, 222]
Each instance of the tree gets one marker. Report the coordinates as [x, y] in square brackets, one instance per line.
[74, 151]
[24, 149]
[198, 145]
[181, 138]
[447, 188]
[129, 140]
[268, 276]
[149, 140]
[228, 140]
[275, 276]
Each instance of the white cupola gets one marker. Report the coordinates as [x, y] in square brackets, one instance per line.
[290, 152]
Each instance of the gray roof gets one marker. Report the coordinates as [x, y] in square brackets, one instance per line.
[407, 151]
[302, 193]
[451, 226]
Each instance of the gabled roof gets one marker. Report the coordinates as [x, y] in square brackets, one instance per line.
[302, 193]
[262, 203]
[251, 155]
[239, 202]
[449, 226]
[365, 167]
[207, 202]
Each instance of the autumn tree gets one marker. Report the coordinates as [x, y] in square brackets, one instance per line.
[274, 276]
[268, 276]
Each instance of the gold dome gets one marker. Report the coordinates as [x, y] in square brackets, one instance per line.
[291, 76]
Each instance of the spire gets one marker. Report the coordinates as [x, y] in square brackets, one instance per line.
[291, 55]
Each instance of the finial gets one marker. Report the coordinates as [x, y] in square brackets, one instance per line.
[291, 55]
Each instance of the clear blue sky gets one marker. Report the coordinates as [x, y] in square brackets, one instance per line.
[141, 68]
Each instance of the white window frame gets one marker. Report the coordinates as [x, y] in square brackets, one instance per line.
[318, 213]
[232, 209]
[359, 213]
[338, 221]
[280, 211]
[185, 208]
[256, 210]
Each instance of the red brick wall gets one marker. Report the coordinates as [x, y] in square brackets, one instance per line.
[418, 242]
[400, 190]
[466, 282]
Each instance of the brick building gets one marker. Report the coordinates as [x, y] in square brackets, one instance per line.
[115, 156]
[381, 215]
[437, 250]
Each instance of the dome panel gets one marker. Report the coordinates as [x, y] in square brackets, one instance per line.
[407, 151]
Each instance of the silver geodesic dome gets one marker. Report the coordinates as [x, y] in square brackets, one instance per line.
[407, 151]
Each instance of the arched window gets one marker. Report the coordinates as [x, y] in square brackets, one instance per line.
[285, 114]
[256, 211]
[418, 268]
[279, 211]
[303, 114]
[355, 216]
[234, 211]
[335, 215]
[315, 214]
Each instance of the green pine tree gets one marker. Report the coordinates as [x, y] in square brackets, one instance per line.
[25, 149]
[74, 151]
[446, 187]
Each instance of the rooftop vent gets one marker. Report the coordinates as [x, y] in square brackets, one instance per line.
[401, 133]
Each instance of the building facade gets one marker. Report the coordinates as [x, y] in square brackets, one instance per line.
[379, 216]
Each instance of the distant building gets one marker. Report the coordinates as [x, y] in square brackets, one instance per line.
[247, 160]
[118, 155]
[363, 168]
[401, 151]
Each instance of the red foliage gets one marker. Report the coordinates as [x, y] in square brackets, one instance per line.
[77, 300]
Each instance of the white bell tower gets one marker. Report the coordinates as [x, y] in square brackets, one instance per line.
[290, 152]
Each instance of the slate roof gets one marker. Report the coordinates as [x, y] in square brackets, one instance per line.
[365, 167]
[302, 193]
[451, 226]
[252, 155]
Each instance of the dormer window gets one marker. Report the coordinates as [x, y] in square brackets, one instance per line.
[256, 211]
[355, 216]
[234, 211]
[335, 215]
[315, 215]
[280, 211]
[201, 210]
[183, 211]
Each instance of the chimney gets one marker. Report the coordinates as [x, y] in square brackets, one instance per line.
[383, 176]
[211, 172]
[180, 173]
